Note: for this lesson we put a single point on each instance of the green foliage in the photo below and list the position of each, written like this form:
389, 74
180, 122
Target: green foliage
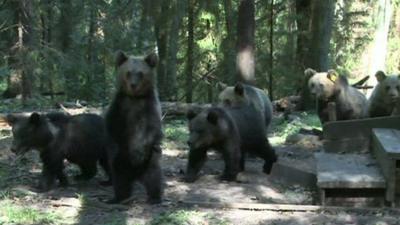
176, 130
281, 129
11, 213
186, 217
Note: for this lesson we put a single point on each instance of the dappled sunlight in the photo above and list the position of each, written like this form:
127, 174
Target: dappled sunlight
245, 63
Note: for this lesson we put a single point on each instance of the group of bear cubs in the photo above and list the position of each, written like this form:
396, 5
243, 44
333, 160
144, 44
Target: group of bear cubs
350, 103
126, 142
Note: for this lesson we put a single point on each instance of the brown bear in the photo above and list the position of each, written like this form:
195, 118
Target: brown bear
134, 123
214, 129
385, 98
245, 95
81, 139
225, 129
331, 87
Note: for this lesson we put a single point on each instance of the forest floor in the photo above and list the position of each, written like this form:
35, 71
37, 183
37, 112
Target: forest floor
83, 202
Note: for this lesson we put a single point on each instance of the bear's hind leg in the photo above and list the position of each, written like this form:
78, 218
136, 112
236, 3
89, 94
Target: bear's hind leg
152, 180
88, 170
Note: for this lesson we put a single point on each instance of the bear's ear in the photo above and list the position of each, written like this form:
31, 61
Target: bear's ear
239, 89
191, 114
212, 117
151, 59
309, 72
120, 58
380, 76
10, 119
332, 75
34, 118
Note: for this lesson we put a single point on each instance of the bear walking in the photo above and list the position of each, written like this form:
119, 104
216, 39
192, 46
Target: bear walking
134, 124
331, 87
232, 131
213, 129
385, 98
243, 95
81, 139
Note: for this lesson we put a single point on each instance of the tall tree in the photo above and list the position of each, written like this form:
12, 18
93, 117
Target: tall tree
245, 60
190, 52
228, 44
321, 30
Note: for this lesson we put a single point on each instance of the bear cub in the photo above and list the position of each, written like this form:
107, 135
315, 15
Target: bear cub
243, 95
134, 123
214, 129
385, 98
232, 131
81, 139
331, 87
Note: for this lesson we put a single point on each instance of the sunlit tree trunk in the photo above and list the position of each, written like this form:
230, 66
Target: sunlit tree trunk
378, 50
245, 60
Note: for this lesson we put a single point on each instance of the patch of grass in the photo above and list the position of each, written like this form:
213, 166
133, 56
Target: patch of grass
282, 129
14, 214
176, 130
187, 217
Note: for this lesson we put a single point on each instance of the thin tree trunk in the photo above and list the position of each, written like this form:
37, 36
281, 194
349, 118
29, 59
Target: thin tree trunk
321, 30
271, 53
228, 43
190, 50
178, 11
245, 60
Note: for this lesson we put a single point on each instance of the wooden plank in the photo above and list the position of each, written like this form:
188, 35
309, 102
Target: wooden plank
389, 139
285, 207
347, 171
348, 145
387, 166
360, 128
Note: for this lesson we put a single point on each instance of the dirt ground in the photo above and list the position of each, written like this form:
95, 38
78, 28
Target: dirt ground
82, 203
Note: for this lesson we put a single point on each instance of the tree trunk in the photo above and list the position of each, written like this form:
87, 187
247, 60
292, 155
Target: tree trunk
170, 88
377, 58
245, 61
271, 53
228, 45
190, 51
321, 29
161, 34
303, 12
66, 24
25, 46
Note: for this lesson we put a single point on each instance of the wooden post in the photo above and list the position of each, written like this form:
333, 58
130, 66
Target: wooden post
332, 111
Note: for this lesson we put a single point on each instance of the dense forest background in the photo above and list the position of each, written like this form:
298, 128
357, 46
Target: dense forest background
65, 49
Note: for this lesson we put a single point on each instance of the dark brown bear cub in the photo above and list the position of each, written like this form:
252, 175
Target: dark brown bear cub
212, 129
81, 139
134, 124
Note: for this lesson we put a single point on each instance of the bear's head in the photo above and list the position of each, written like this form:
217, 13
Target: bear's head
388, 86
30, 132
207, 128
322, 84
136, 74
233, 96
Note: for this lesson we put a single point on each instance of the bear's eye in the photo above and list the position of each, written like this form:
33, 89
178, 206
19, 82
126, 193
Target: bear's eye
398, 87
321, 85
128, 74
312, 85
387, 88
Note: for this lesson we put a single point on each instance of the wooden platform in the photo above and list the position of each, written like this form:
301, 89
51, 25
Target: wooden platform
386, 150
354, 136
348, 175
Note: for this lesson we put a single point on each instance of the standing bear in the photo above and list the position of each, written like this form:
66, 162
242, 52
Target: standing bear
81, 139
134, 123
331, 87
385, 98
